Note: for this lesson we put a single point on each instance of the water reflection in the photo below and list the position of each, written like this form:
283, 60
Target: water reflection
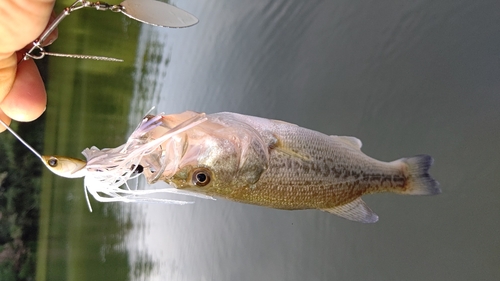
87, 104
150, 70
395, 75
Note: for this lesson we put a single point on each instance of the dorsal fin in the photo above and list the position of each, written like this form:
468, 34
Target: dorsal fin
356, 210
352, 141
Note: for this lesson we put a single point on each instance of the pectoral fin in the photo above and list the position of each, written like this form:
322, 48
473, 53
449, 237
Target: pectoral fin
356, 210
282, 147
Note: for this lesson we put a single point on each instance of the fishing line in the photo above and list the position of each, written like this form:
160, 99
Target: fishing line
21, 140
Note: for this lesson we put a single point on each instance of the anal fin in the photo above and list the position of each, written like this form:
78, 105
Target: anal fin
356, 210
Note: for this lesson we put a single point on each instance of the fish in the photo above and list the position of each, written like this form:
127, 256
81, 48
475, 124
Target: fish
281, 165
251, 160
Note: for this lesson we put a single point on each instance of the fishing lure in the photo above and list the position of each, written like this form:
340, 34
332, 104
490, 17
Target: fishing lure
107, 171
146, 11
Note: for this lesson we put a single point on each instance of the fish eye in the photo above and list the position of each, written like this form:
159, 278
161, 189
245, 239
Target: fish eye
52, 162
201, 177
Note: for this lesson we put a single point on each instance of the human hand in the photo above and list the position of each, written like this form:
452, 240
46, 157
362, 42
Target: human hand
22, 92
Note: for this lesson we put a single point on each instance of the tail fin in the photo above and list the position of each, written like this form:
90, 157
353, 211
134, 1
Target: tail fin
419, 180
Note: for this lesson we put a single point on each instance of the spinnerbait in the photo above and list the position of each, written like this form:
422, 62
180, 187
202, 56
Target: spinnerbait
147, 11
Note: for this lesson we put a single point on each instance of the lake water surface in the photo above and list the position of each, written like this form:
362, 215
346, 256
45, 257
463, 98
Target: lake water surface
405, 77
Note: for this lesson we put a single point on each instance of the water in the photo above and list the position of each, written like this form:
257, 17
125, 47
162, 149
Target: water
406, 77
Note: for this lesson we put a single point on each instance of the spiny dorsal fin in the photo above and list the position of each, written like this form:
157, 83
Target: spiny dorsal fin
352, 141
356, 210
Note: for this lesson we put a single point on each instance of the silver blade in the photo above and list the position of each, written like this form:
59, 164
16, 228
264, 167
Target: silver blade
157, 13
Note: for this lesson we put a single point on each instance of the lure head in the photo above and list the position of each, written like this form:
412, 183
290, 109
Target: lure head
65, 167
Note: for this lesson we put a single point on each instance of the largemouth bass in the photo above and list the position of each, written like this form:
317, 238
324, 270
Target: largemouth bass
259, 161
